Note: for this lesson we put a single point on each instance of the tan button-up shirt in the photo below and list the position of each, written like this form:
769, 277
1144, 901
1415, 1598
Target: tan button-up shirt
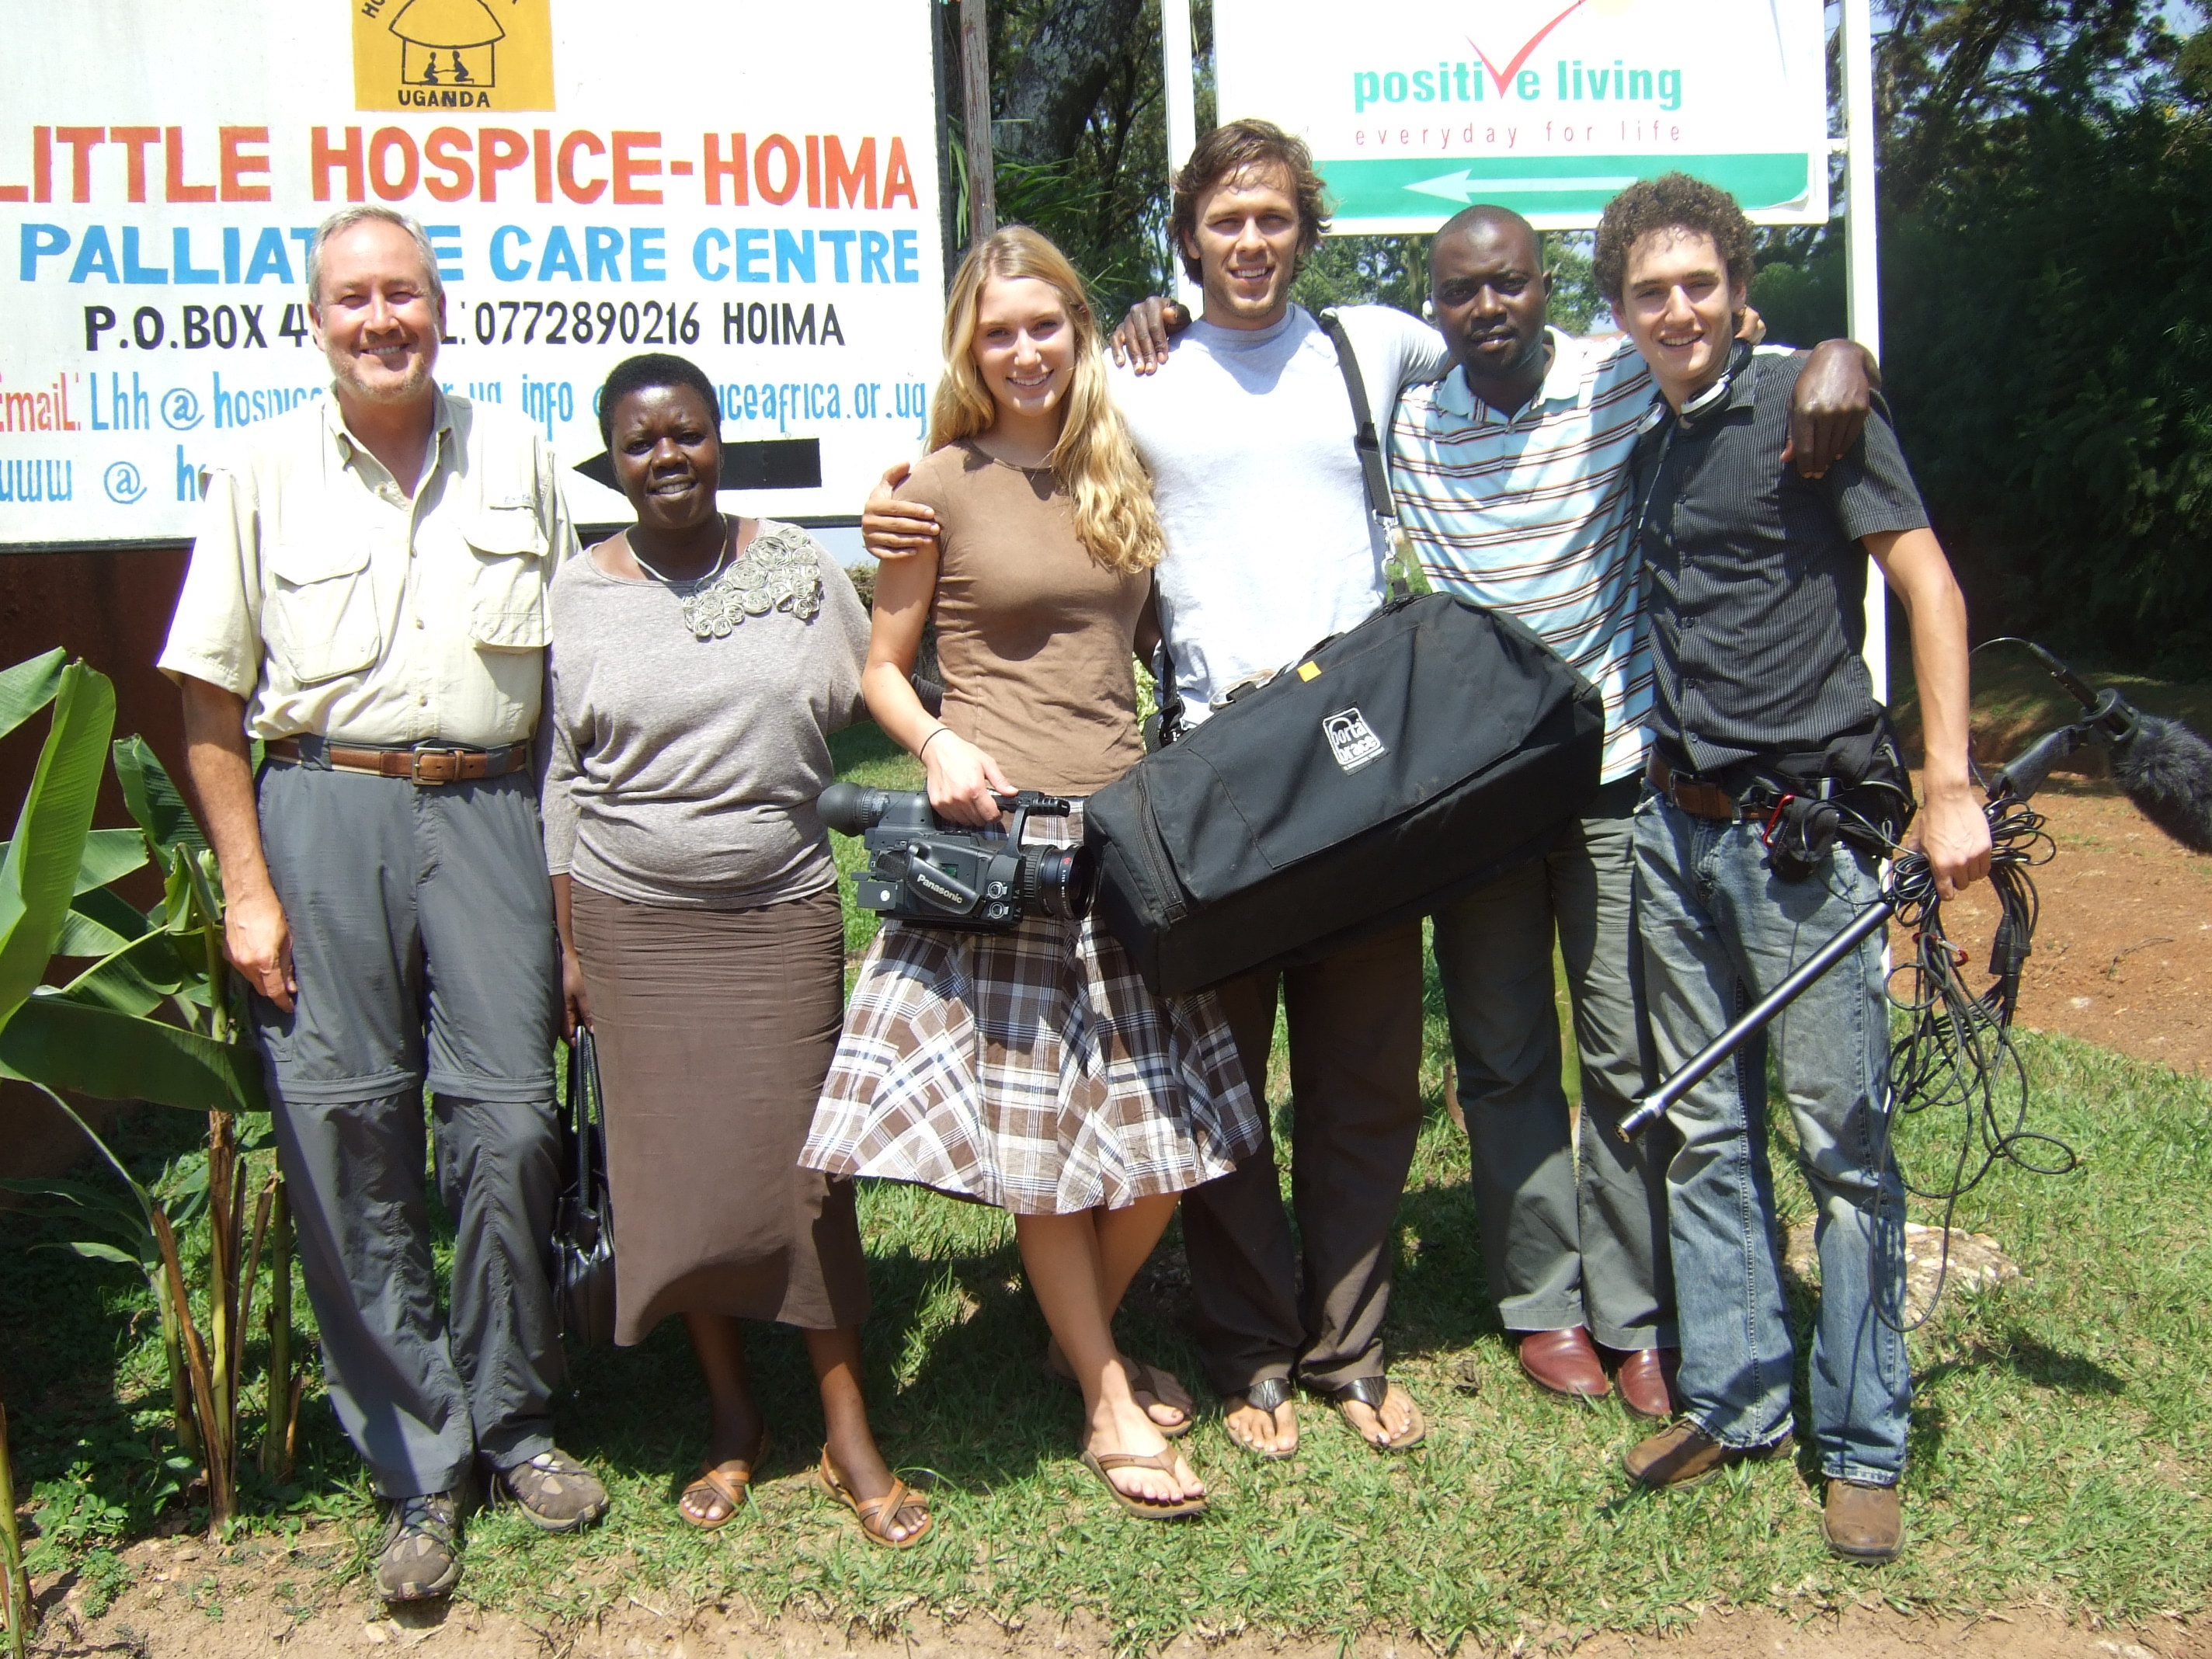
335, 604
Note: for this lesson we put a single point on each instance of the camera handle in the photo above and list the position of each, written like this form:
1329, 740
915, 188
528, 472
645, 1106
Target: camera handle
1025, 802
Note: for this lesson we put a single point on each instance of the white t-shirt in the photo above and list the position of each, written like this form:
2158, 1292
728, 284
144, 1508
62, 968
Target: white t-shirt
1248, 433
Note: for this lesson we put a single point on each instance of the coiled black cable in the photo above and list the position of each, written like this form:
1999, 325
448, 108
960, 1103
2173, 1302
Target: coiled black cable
1955, 1053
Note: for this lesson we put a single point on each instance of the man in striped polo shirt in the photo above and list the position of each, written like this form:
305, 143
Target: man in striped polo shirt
1512, 478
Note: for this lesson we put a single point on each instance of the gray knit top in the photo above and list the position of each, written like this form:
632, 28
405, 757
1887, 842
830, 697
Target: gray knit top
685, 750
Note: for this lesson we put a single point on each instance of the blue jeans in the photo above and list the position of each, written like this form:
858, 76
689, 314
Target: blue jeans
1718, 931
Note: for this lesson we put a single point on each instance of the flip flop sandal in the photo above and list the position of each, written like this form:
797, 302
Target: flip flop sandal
1372, 1392
874, 1514
1144, 1387
729, 1489
1102, 1464
1266, 1395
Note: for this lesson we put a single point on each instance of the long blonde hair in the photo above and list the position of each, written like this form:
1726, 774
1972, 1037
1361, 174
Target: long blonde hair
1094, 459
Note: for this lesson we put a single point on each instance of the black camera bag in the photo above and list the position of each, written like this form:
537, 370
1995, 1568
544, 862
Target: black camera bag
1393, 767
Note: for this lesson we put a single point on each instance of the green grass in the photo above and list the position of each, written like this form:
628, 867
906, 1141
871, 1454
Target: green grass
2061, 1442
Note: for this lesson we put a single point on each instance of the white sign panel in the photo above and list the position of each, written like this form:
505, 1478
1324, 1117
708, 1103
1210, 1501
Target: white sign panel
1414, 109
598, 180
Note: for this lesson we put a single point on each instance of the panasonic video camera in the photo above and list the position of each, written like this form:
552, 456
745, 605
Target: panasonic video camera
924, 871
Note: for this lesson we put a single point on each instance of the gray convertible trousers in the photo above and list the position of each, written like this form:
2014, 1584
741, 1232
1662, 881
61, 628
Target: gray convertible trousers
1567, 1240
423, 941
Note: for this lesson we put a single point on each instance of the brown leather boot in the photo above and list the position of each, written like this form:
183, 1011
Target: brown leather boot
1565, 1362
1685, 1454
1862, 1522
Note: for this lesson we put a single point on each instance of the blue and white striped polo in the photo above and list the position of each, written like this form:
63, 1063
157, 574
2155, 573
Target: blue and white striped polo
1531, 515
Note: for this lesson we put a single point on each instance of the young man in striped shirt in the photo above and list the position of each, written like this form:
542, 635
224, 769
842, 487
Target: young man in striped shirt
1511, 476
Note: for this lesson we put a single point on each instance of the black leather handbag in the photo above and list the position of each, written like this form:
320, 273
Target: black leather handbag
583, 1218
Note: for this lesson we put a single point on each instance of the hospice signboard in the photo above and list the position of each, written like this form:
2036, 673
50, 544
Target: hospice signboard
1416, 108
597, 183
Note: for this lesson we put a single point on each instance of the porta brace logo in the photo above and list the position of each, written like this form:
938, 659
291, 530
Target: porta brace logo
1351, 739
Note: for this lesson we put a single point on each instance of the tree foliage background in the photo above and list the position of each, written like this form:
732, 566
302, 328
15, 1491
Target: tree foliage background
2046, 218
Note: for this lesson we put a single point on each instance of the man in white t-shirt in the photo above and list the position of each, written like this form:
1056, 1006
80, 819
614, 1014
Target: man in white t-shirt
1248, 431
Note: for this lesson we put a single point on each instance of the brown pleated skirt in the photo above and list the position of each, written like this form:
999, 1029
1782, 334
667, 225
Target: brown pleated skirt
715, 1029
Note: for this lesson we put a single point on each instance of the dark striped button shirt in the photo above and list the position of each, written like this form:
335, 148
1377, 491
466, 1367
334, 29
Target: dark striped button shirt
1754, 577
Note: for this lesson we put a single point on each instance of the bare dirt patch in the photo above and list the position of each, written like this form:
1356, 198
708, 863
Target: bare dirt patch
263, 1598
2123, 943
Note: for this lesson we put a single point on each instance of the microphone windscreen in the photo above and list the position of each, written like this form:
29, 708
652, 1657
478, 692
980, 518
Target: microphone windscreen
2165, 769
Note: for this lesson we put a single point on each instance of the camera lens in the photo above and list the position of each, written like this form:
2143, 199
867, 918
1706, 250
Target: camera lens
1061, 880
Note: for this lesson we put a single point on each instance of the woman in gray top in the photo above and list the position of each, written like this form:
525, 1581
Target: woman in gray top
698, 665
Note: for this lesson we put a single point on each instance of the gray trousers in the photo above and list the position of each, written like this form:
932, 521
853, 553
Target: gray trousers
1355, 1031
1565, 1241
422, 939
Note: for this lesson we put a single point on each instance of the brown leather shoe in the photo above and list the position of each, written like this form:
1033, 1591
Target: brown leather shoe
1685, 1454
1643, 1380
1566, 1363
1862, 1522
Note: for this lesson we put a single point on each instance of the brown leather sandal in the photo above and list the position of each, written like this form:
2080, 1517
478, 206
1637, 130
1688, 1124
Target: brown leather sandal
1144, 1389
1268, 1394
1102, 1464
731, 1489
875, 1515
1372, 1392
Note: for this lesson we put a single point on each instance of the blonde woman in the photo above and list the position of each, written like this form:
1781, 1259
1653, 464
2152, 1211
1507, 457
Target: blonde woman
1032, 1070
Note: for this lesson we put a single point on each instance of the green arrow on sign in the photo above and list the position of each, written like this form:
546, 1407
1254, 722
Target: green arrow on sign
1462, 186
1376, 188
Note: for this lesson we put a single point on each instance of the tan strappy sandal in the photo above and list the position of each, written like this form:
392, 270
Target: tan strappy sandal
875, 1515
732, 1490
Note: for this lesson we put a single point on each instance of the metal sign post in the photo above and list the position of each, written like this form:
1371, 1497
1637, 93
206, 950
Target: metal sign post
1182, 121
1862, 270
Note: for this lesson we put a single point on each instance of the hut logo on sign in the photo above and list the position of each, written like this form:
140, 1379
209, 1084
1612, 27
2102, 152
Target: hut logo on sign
452, 54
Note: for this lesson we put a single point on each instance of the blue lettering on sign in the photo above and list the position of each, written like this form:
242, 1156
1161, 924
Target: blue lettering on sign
94, 256
244, 408
559, 257
123, 483
751, 255
37, 481
501, 239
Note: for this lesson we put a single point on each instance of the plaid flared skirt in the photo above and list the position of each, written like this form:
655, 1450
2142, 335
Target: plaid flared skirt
1029, 1070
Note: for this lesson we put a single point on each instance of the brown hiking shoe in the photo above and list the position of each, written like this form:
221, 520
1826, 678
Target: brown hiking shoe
1685, 1454
421, 1557
555, 1492
1862, 1522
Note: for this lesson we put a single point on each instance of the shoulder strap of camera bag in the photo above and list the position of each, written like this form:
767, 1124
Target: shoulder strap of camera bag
1373, 465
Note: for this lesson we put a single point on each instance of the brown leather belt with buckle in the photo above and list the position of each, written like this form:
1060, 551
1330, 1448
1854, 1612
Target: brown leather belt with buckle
1699, 799
428, 766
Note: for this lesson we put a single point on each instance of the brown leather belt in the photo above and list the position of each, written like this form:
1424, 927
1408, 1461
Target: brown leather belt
429, 765
1699, 799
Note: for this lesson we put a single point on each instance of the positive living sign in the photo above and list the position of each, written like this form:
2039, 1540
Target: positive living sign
1414, 109
596, 186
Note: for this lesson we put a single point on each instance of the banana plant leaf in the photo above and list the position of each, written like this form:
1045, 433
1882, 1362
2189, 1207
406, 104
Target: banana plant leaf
28, 687
108, 855
154, 799
101, 924
38, 876
102, 1210
65, 1044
